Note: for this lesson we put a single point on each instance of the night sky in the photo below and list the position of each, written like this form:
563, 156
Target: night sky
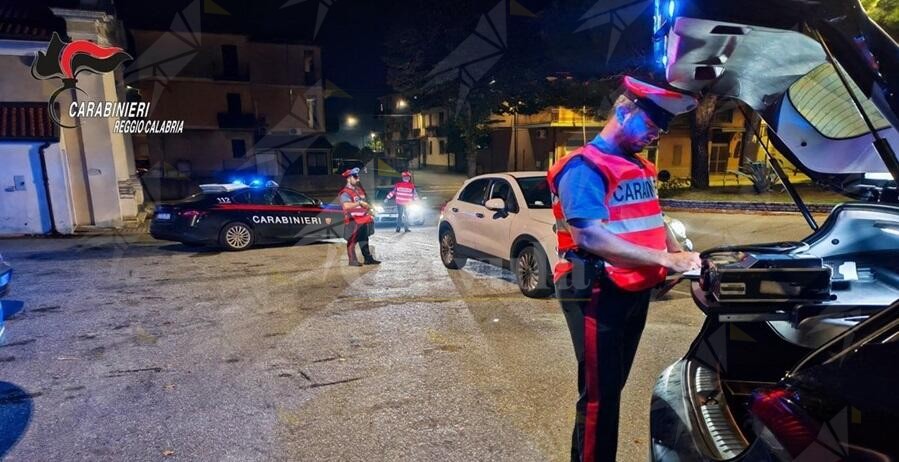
353, 34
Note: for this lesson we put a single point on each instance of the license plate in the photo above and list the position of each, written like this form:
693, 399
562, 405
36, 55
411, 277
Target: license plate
163, 216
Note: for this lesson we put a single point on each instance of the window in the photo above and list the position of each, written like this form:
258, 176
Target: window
678, 157
536, 192
234, 106
229, 61
441, 115
311, 109
317, 163
724, 117
239, 148
719, 152
503, 190
294, 198
266, 196
308, 61
718, 158
475, 192
442, 147
823, 100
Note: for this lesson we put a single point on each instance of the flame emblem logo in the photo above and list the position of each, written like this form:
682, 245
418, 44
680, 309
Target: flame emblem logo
65, 61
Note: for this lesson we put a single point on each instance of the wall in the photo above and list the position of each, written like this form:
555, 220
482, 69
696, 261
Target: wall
23, 212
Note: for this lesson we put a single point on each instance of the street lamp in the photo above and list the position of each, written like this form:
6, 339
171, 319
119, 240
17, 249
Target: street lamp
352, 121
402, 104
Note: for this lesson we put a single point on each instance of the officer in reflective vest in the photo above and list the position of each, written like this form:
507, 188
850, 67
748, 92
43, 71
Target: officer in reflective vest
404, 192
357, 218
614, 248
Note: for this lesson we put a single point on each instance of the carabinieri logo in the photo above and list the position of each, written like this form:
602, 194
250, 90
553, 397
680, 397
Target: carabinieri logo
66, 60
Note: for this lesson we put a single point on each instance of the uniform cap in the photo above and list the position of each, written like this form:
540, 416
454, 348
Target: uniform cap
406, 173
660, 104
351, 172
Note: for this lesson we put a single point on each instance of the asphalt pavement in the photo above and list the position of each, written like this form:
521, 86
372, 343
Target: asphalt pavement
126, 348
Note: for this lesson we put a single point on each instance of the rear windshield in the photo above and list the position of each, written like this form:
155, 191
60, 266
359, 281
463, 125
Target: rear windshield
823, 100
536, 192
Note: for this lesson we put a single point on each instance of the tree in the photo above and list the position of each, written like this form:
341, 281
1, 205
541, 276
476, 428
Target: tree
700, 131
885, 13
749, 145
541, 63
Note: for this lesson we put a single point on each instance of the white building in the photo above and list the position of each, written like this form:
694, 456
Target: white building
88, 170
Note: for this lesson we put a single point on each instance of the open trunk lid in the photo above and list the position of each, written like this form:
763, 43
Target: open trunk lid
777, 67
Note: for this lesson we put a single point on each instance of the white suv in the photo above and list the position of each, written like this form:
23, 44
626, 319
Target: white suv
506, 219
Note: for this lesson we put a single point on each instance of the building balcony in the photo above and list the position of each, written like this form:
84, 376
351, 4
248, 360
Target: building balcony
236, 120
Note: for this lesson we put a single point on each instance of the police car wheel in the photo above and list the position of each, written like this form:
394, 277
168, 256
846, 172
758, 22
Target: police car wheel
532, 273
237, 236
448, 250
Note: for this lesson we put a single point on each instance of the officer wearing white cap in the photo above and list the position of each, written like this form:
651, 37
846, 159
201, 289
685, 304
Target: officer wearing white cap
614, 248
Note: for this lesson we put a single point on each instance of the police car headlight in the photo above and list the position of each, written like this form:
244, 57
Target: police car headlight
379, 209
415, 208
678, 228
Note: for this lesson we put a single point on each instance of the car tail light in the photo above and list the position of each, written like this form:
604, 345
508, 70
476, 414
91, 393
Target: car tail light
191, 214
778, 410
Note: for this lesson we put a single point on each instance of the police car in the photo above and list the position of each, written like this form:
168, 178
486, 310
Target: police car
238, 216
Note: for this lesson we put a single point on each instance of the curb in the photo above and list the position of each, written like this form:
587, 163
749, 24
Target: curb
742, 207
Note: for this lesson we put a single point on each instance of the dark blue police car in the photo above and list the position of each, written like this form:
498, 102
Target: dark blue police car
237, 217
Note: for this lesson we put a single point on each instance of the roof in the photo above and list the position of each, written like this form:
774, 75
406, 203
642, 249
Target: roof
33, 21
514, 174
27, 122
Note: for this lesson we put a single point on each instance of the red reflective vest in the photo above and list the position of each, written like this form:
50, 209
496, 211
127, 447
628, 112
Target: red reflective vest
634, 214
358, 214
404, 191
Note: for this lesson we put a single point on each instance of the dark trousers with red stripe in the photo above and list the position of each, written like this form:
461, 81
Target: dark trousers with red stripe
605, 323
356, 233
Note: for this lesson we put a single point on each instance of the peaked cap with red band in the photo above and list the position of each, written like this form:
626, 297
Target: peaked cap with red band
660, 104
351, 172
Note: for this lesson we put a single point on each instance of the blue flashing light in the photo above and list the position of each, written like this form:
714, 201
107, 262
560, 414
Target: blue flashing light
256, 183
672, 7
237, 181
665, 61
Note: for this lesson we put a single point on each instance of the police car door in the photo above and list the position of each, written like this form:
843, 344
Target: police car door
304, 216
268, 214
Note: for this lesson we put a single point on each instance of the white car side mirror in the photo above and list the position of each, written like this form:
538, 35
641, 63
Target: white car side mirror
495, 205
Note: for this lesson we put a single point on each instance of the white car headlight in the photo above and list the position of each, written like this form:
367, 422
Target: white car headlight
678, 228
379, 209
415, 208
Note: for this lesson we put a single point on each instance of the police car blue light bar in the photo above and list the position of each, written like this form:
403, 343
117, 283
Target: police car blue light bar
227, 187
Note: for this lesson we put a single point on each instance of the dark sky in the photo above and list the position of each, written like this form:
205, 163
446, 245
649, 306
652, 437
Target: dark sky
352, 35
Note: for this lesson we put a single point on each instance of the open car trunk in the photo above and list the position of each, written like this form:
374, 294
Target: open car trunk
784, 73
759, 327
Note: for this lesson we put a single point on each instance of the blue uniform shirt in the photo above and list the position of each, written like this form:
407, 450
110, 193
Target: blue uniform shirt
582, 191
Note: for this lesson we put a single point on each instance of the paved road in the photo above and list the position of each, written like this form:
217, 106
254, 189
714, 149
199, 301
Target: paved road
132, 349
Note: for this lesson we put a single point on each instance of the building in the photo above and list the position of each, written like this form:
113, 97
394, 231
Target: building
250, 107
53, 178
520, 142
421, 137
541, 139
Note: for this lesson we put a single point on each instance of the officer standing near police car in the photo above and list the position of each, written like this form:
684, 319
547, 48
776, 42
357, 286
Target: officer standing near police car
614, 249
404, 193
358, 220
